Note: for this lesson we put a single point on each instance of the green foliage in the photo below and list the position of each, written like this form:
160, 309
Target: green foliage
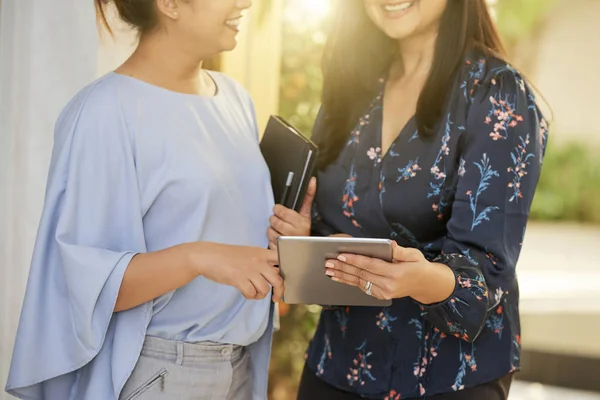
517, 19
298, 324
569, 187
301, 78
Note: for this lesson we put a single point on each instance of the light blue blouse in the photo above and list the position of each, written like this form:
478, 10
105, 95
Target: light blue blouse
137, 168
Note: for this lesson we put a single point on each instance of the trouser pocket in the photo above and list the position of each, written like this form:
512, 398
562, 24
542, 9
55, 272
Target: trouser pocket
134, 388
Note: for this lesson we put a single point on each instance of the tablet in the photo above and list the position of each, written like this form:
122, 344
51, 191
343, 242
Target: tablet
302, 264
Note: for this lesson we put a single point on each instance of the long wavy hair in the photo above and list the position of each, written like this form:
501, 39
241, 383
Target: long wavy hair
357, 54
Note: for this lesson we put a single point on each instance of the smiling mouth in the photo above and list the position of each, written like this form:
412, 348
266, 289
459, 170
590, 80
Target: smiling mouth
234, 23
398, 7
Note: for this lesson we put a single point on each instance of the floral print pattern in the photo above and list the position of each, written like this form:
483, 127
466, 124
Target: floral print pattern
496, 321
476, 74
466, 360
392, 395
520, 159
515, 352
487, 173
360, 369
324, 357
350, 198
374, 154
462, 197
409, 171
384, 320
342, 319
439, 175
462, 169
503, 113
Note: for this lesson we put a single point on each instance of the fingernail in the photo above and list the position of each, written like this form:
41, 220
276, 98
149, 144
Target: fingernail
342, 258
335, 279
330, 265
329, 273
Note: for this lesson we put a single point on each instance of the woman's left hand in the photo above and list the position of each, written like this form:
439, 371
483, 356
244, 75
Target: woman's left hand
388, 280
287, 222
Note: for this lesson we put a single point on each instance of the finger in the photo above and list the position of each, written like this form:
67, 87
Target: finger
353, 274
272, 246
341, 235
272, 235
308, 198
261, 285
284, 228
373, 265
273, 257
276, 281
375, 290
290, 216
406, 254
248, 290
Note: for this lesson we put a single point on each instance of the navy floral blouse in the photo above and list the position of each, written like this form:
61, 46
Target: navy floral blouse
462, 198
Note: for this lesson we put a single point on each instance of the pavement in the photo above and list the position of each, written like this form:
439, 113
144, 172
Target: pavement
535, 391
559, 277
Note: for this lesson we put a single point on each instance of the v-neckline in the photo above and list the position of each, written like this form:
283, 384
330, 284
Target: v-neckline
401, 133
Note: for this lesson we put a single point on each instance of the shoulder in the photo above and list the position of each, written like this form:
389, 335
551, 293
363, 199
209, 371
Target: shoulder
500, 102
99, 95
484, 75
95, 109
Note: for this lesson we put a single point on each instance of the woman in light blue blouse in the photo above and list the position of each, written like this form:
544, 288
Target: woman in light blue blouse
151, 276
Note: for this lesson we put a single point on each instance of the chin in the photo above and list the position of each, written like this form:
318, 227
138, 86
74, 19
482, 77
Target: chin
401, 32
402, 28
229, 45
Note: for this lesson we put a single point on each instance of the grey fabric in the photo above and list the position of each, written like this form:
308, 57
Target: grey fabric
190, 371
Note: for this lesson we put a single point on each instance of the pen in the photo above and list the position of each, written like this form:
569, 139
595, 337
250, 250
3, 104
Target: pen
286, 189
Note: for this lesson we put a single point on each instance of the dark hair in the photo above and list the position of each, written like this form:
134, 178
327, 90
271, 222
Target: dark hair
357, 54
140, 14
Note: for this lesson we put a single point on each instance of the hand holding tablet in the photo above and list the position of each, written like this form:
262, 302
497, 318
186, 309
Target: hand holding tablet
302, 263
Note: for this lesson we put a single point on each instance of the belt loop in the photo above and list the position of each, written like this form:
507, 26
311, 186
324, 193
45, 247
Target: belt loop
179, 360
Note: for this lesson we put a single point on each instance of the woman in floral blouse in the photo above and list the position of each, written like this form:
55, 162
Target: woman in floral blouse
428, 137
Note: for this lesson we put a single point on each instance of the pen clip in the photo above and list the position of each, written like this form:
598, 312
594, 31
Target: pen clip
286, 189
290, 179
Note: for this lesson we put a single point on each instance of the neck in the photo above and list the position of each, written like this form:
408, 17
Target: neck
417, 53
158, 61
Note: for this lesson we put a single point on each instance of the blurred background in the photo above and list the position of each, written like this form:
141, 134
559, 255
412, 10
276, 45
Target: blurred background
49, 50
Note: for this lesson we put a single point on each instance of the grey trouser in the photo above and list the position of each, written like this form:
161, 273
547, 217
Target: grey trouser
190, 371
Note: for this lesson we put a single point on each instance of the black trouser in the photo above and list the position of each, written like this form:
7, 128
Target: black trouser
314, 388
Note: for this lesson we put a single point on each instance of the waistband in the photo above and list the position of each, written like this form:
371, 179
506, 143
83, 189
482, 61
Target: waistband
190, 354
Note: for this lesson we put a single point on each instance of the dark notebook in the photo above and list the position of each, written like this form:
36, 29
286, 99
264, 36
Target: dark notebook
291, 159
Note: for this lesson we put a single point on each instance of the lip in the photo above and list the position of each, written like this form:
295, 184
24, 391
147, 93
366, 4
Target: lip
234, 23
399, 13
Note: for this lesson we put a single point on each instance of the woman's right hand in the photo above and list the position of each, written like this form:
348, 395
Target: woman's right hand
252, 270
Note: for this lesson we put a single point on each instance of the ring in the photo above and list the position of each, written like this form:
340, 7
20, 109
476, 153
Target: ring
368, 288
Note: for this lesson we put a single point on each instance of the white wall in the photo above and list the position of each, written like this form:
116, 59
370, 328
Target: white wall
565, 58
47, 52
